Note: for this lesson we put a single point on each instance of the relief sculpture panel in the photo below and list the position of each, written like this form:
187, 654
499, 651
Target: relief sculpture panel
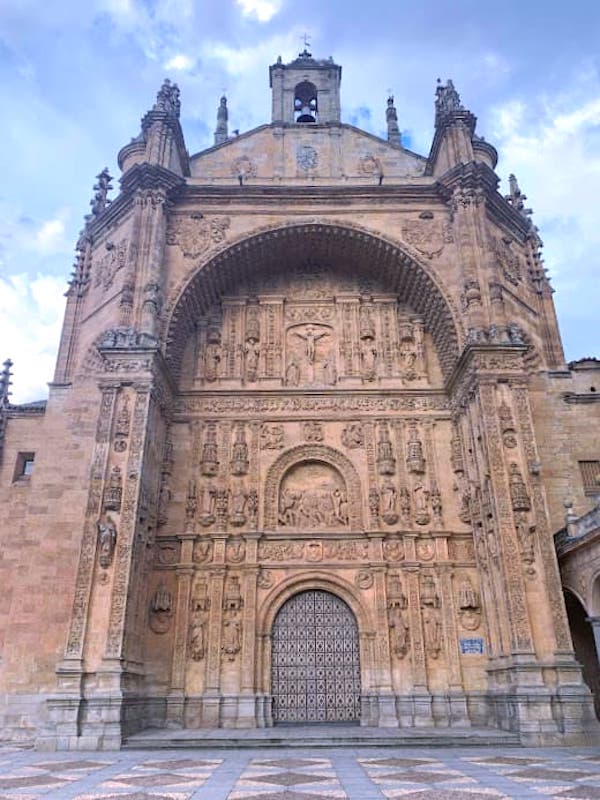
313, 495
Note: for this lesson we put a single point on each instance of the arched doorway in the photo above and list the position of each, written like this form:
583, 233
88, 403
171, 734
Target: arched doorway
315, 660
584, 646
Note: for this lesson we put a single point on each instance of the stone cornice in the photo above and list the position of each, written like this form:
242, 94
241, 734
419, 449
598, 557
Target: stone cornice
488, 361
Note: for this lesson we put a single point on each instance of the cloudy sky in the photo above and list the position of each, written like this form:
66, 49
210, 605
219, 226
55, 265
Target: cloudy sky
77, 76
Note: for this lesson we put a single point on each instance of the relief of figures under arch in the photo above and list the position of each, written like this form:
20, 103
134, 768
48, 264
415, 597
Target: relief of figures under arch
313, 495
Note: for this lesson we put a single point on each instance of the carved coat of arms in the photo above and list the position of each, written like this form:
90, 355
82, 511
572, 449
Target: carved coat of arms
194, 235
428, 236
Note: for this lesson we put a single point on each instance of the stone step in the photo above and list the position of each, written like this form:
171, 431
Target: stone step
319, 736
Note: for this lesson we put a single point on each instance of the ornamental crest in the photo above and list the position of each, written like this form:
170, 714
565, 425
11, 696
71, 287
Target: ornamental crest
194, 234
107, 267
306, 157
427, 235
508, 260
243, 166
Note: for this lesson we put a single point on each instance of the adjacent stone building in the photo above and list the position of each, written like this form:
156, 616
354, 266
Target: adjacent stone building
308, 440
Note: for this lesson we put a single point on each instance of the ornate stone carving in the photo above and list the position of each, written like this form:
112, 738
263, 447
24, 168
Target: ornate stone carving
386, 463
310, 348
397, 602
113, 493
212, 355
265, 579
239, 454
508, 260
425, 549
469, 605
421, 495
107, 540
353, 435
105, 268
388, 498
195, 234
251, 361
393, 549
209, 462
518, 491
507, 426
198, 638
313, 496
208, 505
122, 423
307, 158
271, 437
161, 610
368, 360
231, 636
280, 551
235, 552
415, 462
244, 166
364, 579
471, 295
432, 627
203, 550
312, 431
238, 498
191, 506
428, 236
435, 500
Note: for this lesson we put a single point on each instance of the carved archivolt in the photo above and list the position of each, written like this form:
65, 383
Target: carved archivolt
344, 248
348, 516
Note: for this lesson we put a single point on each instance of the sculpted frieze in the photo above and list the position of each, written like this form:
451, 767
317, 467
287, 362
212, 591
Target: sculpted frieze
315, 550
347, 403
429, 236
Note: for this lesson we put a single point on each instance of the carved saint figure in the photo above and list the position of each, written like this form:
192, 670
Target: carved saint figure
107, 539
399, 639
288, 500
388, 499
353, 436
271, 437
252, 356
231, 639
368, 360
197, 637
238, 500
339, 502
292, 374
212, 355
310, 337
433, 633
421, 495
208, 499
518, 490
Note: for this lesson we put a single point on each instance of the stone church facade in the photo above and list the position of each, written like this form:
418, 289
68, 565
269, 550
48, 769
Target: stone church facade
309, 437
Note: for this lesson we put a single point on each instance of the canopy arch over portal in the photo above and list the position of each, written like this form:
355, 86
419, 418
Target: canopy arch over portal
341, 247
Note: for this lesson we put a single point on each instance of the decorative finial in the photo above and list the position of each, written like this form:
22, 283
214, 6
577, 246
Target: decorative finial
393, 131
447, 100
221, 131
306, 52
101, 189
167, 99
516, 198
5, 382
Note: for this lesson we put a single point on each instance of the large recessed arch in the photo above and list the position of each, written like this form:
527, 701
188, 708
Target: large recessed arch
340, 247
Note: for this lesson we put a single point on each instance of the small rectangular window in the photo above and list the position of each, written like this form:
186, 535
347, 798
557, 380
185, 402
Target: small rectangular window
590, 475
24, 466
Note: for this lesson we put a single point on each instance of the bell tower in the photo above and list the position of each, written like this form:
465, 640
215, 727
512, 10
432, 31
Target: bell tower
306, 91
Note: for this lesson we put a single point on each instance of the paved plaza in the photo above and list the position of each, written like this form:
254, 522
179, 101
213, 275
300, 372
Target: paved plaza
370, 773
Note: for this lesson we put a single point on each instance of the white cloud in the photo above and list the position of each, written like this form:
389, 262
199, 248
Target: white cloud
31, 314
263, 10
50, 236
179, 62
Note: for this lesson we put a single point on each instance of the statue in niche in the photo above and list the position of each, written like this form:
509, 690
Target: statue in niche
239, 455
415, 462
198, 636
237, 505
399, 634
114, 490
251, 361
353, 435
469, 605
368, 360
107, 539
208, 500
292, 374
366, 326
328, 370
123, 418
388, 500
339, 502
518, 491
405, 504
421, 496
433, 633
461, 486
429, 596
231, 640
161, 610
212, 355
436, 501
386, 463
163, 500
209, 464
252, 507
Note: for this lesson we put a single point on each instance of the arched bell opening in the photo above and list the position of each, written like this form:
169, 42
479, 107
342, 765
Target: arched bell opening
305, 102
584, 645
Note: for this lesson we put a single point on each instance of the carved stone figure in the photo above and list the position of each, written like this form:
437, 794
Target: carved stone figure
235, 551
433, 632
209, 463
374, 504
231, 638
388, 499
368, 360
107, 540
393, 550
237, 505
399, 632
518, 491
435, 499
353, 435
251, 361
364, 579
212, 355
114, 490
415, 462
421, 498
386, 463
208, 500
292, 374
202, 551
198, 636
405, 504
161, 610
191, 504
367, 326
469, 605
252, 508
239, 454
310, 337
312, 431
265, 579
